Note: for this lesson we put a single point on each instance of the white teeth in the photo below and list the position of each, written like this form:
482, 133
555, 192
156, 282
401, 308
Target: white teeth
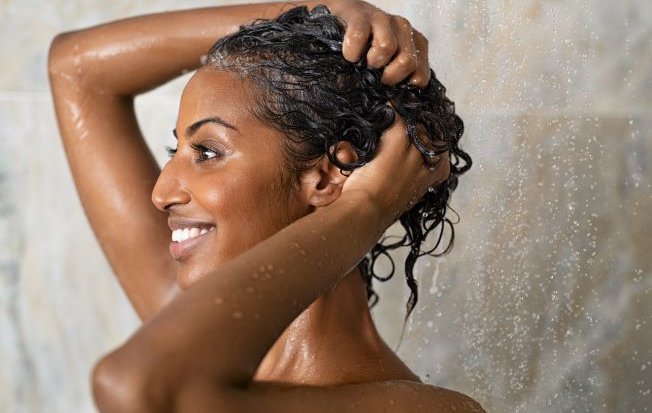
179, 235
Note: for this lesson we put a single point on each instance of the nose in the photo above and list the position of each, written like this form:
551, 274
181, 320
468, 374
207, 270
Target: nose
170, 188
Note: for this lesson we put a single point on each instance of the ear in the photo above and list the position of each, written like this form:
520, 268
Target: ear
322, 184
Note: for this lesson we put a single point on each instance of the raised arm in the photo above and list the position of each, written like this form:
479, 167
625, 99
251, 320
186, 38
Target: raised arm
95, 73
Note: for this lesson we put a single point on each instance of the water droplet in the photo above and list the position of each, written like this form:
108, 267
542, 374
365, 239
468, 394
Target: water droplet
219, 300
237, 315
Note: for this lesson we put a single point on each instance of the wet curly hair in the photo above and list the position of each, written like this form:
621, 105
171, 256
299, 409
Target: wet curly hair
310, 93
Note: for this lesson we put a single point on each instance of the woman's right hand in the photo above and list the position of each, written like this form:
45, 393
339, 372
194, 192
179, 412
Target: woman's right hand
397, 177
395, 44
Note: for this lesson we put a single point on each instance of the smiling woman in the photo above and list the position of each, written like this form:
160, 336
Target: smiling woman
227, 174
283, 179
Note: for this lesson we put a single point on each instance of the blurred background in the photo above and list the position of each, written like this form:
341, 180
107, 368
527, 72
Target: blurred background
544, 303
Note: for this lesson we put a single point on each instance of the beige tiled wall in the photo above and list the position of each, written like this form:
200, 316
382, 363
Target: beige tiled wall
542, 306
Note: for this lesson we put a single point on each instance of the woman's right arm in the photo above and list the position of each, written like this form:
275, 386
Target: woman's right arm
95, 74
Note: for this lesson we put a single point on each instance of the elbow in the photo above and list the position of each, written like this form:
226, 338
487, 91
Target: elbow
122, 384
64, 61
56, 54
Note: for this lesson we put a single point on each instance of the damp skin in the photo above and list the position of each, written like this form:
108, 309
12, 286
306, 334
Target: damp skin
207, 320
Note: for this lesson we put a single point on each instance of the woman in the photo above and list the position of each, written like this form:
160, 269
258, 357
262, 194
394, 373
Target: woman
257, 304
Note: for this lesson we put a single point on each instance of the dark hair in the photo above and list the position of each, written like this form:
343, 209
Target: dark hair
308, 91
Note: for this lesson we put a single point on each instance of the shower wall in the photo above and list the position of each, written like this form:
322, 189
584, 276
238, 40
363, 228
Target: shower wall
543, 305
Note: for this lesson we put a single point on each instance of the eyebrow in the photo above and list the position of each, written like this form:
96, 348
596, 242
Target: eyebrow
192, 129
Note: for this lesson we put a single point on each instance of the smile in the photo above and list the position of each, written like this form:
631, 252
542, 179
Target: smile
184, 240
179, 235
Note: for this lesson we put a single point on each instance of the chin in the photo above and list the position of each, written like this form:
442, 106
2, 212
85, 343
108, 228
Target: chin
187, 280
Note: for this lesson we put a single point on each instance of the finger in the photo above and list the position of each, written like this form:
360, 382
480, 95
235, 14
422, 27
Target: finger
421, 75
442, 170
355, 40
405, 61
384, 41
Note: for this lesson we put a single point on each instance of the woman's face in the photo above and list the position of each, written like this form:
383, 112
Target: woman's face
223, 188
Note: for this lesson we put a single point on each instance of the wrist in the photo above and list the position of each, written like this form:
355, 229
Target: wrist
368, 205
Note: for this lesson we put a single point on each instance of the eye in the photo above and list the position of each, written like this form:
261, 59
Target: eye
204, 153
171, 151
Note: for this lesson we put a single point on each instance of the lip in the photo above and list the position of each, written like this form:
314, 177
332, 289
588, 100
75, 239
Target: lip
180, 250
181, 223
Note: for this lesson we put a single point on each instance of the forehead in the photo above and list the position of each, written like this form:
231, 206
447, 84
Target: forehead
212, 93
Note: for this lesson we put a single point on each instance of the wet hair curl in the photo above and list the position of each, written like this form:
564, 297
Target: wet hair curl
309, 92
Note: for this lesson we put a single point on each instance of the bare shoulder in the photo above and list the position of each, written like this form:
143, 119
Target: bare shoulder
391, 396
444, 400
433, 399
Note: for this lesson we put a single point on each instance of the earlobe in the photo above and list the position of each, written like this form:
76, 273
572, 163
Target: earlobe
322, 184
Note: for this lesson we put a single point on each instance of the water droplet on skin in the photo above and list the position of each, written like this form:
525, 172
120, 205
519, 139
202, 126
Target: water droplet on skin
219, 300
270, 267
250, 289
323, 238
237, 315
302, 252
261, 268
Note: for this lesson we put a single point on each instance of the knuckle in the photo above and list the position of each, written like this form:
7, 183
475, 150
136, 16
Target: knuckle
386, 45
407, 60
402, 22
357, 34
419, 81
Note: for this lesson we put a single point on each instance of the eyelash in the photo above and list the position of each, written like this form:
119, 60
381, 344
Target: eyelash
199, 149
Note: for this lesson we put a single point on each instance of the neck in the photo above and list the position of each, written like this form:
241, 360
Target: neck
336, 331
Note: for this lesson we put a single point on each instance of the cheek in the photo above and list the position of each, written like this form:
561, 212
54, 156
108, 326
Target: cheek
247, 205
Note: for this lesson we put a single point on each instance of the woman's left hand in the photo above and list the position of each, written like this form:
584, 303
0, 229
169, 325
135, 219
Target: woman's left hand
397, 177
395, 44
